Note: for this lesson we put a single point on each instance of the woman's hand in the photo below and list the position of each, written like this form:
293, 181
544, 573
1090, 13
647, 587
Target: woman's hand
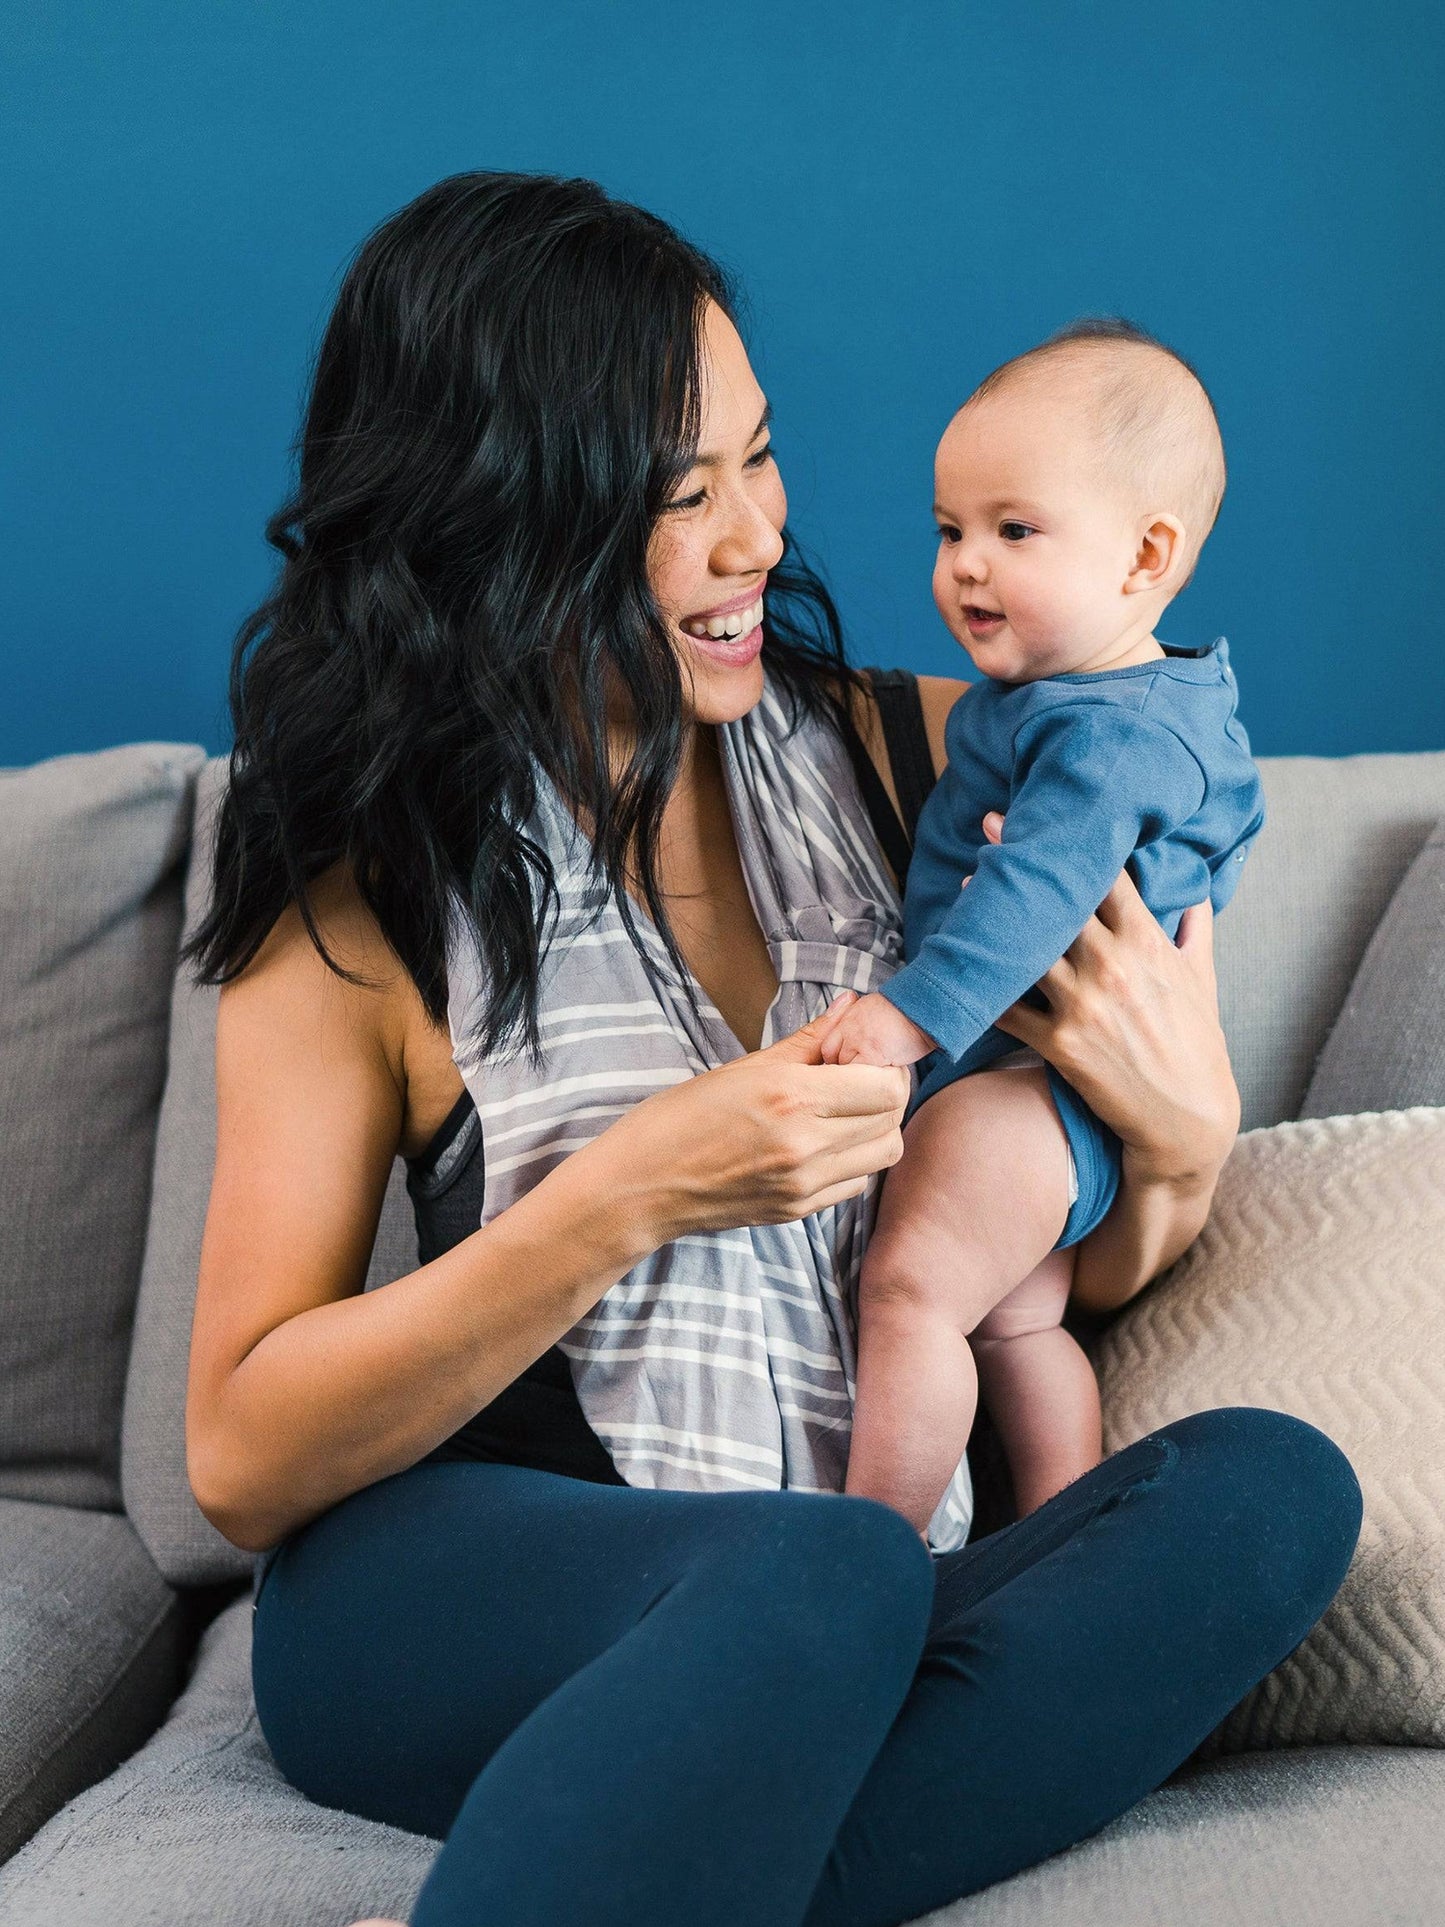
772, 1136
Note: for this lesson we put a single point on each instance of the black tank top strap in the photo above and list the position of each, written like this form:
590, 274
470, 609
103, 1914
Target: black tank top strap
900, 711
900, 714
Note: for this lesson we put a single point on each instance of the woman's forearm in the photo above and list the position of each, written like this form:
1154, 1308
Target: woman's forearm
356, 1389
1153, 1220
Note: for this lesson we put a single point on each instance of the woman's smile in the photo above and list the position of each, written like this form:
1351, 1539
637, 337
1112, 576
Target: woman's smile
732, 632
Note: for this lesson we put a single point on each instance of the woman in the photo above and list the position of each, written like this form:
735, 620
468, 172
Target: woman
495, 683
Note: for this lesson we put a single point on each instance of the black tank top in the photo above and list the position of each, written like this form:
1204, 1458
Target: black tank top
537, 1421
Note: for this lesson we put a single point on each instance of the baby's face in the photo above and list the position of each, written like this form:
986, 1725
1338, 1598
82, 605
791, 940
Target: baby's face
1033, 551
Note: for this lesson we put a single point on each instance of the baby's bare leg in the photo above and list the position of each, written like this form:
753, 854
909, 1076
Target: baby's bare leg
975, 1204
1038, 1386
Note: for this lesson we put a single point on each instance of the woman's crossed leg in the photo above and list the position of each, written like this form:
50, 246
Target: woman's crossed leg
618, 1706
734, 1711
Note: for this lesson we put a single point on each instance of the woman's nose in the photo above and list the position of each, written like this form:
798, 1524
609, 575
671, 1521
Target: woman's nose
750, 541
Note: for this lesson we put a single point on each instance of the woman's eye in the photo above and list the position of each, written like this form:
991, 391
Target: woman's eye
687, 501
764, 454
1014, 531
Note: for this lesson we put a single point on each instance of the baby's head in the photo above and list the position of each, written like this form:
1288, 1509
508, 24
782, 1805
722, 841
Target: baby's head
1073, 492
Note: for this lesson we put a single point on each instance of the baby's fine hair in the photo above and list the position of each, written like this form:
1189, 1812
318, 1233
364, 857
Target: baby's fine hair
1149, 408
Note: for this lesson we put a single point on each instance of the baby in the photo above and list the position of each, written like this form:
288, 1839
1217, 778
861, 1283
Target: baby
1074, 491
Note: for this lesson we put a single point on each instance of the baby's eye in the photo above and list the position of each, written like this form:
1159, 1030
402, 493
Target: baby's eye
1014, 531
946, 532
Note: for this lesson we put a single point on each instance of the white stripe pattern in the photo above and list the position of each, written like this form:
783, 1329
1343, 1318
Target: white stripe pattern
725, 1360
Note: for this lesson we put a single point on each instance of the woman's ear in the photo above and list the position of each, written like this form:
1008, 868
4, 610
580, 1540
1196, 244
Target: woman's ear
1159, 557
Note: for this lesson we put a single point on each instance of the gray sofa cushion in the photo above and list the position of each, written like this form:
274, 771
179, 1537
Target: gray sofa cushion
90, 849
1387, 1049
90, 1655
158, 1498
1338, 1836
200, 1826
1341, 832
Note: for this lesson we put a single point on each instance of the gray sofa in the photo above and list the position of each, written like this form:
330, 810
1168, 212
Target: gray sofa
135, 1785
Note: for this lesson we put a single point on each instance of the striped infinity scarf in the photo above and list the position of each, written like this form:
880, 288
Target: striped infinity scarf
725, 1360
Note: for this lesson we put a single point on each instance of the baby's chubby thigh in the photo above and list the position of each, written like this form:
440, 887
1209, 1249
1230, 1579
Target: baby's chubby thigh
975, 1204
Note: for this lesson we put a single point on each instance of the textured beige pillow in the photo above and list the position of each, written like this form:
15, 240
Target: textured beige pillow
1318, 1288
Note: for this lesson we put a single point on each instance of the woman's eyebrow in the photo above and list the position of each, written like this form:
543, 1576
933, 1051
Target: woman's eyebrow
711, 461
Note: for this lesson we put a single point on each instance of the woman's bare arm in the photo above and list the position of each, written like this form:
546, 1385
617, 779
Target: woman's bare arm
302, 1387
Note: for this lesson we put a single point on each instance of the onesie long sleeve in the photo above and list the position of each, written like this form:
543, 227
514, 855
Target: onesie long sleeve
1147, 766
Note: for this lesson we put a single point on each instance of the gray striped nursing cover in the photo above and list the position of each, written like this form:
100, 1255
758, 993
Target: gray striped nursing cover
725, 1360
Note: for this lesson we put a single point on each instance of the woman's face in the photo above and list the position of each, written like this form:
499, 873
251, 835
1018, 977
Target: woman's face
714, 543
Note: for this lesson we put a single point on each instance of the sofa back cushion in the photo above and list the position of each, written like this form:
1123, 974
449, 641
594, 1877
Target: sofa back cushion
1340, 834
158, 1497
91, 849
1387, 1049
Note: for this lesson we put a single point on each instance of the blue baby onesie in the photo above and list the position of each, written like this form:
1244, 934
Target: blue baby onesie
1147, 766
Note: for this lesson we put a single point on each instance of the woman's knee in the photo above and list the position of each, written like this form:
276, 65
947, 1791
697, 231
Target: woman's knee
828, 1561
1281, 1489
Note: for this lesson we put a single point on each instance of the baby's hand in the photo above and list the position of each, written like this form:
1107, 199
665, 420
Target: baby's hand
873, 1031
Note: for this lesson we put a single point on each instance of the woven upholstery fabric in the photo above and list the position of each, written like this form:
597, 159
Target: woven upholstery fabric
200, 1826
1340, 834
90, 1655
1387, 1049
158, 1497
199, 1829
90, 854
1318, 1288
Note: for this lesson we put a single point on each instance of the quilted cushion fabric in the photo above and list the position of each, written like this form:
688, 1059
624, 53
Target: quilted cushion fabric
91, 849
1387, 1049
158, 1497
1318, 1288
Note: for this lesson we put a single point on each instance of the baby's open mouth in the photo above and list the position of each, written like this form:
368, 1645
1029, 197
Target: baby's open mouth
973, 613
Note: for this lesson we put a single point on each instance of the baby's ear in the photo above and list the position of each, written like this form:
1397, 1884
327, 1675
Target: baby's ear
1158, 558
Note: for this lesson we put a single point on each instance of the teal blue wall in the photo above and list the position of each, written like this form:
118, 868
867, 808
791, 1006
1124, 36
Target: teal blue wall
910, 192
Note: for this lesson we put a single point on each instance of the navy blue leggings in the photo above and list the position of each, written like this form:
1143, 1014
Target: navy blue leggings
638, 1709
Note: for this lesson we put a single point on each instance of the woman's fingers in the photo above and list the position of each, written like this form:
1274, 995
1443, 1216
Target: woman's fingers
1195, 940
805, 1044
857, 1090
1031, 1027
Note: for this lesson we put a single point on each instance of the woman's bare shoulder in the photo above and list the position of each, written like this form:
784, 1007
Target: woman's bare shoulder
289, 989
938, 694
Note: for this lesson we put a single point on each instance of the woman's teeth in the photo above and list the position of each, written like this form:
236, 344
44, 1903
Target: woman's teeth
740, 623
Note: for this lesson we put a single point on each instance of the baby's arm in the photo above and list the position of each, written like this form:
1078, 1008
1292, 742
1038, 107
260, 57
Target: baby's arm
1092, 783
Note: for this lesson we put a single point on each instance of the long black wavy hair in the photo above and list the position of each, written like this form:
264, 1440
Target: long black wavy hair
505, 397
